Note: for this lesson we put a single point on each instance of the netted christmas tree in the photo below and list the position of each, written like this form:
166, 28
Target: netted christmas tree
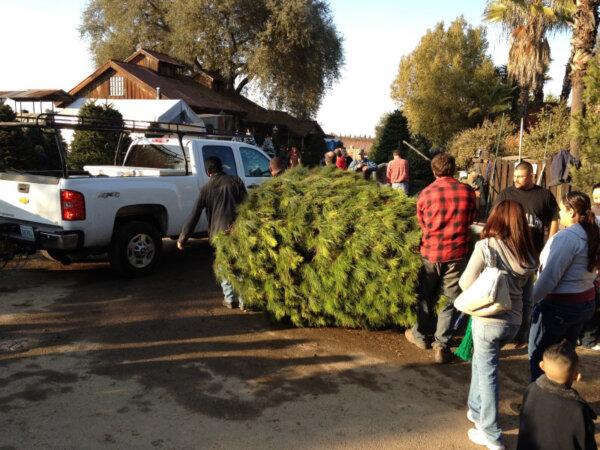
324, 248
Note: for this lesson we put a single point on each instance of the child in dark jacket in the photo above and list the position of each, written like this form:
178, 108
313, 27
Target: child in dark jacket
554, 416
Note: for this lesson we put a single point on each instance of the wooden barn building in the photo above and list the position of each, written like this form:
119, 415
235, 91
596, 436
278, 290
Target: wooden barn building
147, 74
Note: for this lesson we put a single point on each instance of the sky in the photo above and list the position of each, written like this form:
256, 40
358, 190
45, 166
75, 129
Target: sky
41, 49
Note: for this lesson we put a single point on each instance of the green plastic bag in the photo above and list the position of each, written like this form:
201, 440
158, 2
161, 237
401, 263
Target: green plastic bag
465, 349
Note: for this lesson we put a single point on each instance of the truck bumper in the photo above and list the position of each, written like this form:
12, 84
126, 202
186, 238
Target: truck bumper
43, 239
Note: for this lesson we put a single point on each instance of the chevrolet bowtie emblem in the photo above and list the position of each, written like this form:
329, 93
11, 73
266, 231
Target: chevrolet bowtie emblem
24, 200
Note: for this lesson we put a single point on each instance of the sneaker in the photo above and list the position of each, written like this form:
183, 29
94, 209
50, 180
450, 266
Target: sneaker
471, 418
410, 337
441, 355
478, 437
229, 305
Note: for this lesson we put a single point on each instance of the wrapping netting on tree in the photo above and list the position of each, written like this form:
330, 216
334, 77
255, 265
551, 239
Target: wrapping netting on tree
324, 248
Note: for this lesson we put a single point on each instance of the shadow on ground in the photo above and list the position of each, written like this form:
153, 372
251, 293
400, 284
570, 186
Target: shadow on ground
169, 334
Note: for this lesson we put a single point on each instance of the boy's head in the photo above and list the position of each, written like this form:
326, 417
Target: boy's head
596, 194
560, 363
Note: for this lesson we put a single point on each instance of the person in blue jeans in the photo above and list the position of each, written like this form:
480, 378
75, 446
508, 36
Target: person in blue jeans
220, 198
564, 293
506, 237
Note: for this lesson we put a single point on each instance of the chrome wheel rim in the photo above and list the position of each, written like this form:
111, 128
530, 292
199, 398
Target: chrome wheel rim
141, 250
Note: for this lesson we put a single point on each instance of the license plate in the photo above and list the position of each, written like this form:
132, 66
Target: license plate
27, 233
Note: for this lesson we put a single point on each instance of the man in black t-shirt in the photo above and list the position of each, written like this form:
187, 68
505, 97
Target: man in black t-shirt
539, 204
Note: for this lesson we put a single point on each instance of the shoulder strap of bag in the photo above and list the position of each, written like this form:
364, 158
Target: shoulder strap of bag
489, 255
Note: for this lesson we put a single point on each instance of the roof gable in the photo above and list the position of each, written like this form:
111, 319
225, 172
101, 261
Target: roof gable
157, 56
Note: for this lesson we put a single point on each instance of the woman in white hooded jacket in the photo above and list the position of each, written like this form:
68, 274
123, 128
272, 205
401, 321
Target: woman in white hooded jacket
564, 292
506, 237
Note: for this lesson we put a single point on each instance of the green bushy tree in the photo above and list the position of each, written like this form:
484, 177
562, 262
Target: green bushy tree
448, 75
27, 149
389, 134
552, 125
95, 147
6, 113
314, 148
9, 140
420, 168
465, 145
324, 248
588, 130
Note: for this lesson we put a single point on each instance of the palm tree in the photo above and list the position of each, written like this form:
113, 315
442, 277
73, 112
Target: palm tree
527, 23
585, 31
494, 101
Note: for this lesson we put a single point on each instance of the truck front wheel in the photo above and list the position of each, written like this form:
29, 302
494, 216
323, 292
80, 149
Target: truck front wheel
136, 249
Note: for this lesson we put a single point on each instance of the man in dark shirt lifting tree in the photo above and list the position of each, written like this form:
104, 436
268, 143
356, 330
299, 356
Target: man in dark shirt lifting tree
220, 197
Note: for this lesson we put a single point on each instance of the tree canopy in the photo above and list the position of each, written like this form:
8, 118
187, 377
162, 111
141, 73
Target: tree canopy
389, 134
527, 23
27, 149
588, 129
288, 50
95, 147
443, 79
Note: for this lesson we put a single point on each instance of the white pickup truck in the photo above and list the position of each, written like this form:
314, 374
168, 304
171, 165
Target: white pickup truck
124, 210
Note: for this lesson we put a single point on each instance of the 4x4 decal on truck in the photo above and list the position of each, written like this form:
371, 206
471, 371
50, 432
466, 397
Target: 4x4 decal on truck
109, 194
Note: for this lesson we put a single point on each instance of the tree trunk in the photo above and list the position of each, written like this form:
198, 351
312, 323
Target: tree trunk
523, 101
566, 86
538, 94
585, 30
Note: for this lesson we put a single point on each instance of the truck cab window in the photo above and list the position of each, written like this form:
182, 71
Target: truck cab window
225, 154
156, 156
255, 163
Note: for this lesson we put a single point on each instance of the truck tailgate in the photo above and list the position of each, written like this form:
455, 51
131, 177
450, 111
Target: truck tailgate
30, 199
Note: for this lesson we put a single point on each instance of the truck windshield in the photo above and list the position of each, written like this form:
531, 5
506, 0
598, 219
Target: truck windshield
156, 156
29, 150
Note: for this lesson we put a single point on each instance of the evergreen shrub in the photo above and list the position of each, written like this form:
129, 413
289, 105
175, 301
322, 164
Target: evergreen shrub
465, 144
95, 147
552, 126
587, 129
389, 134
24, 149
314, 149
324, 247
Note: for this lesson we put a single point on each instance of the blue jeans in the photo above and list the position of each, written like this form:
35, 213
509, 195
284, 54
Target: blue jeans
488, 339
403, 186
590, 335
551, 322
230, 295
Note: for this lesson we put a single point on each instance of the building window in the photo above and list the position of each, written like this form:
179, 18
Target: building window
117, 87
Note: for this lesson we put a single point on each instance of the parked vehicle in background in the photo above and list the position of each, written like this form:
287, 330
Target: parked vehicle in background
123, 210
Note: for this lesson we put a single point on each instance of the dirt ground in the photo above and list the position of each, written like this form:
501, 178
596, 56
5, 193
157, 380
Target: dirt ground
91, 361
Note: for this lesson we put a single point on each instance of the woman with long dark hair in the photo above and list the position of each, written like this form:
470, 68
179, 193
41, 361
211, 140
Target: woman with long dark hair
506, 236
564, 293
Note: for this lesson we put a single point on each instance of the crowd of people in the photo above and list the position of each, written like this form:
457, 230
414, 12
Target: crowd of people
553, 288
396, 170
552, 282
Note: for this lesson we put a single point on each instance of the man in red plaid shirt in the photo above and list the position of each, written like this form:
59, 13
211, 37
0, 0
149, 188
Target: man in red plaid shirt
445, 210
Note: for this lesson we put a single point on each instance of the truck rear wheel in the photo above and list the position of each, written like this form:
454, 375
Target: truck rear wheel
136, 249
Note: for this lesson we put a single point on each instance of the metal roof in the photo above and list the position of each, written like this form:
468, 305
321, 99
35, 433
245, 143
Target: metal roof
37, 95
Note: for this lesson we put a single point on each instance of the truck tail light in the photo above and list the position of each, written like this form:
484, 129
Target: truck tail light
72, 205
